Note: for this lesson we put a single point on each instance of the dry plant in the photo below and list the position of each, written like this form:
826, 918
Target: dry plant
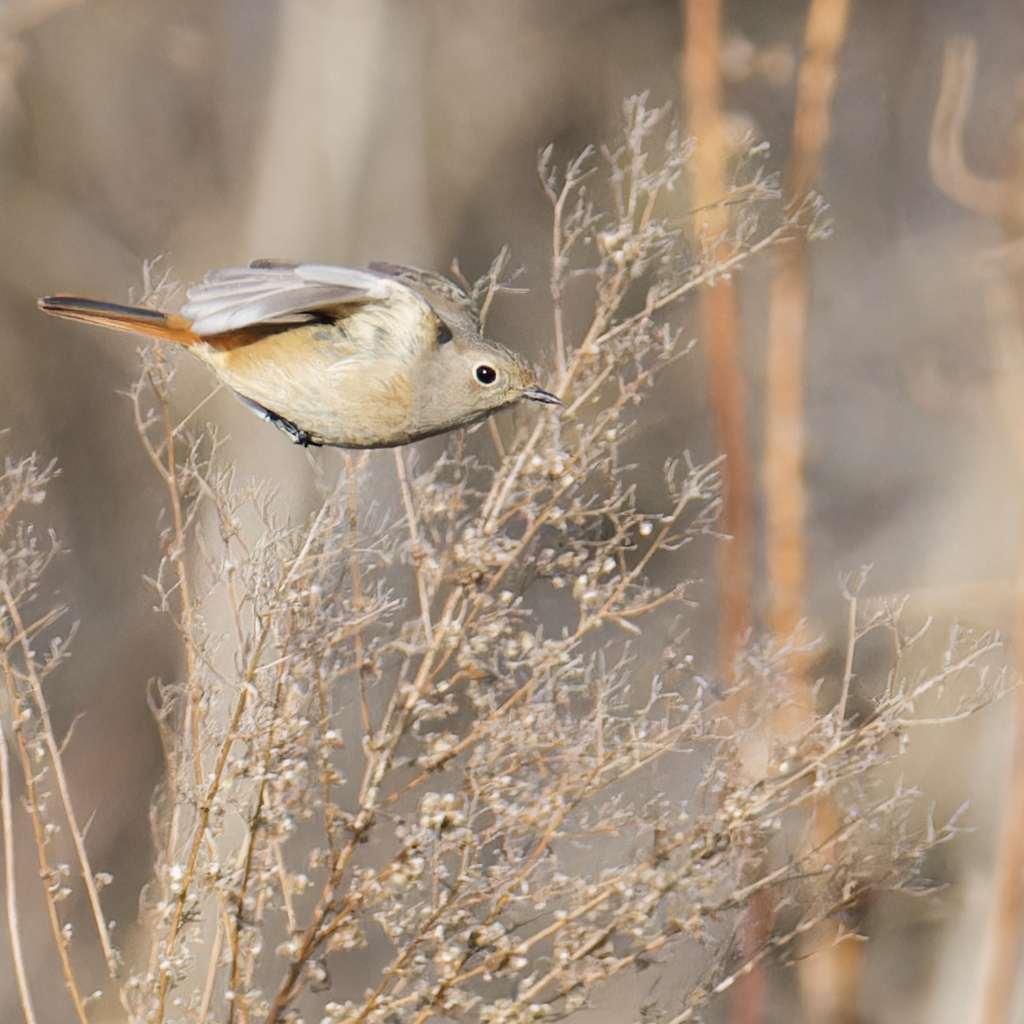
426, 765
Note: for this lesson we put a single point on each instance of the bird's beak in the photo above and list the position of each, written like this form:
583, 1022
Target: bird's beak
536, 394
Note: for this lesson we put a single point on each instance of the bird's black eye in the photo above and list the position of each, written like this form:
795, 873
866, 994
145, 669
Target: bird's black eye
486, 374
444, 333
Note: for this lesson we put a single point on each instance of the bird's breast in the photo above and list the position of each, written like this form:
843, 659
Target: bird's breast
336, 387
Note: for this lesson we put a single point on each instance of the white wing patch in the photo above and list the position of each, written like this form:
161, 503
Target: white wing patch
239, 297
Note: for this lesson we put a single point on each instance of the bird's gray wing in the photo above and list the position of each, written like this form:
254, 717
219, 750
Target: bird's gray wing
443, 296
267, 290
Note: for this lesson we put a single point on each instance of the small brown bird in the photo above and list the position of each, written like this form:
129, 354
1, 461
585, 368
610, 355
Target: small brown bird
331, 355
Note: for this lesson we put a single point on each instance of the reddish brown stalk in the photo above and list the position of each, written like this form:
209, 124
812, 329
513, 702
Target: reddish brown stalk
720, 330
787, 324
785, 443
720, 324
828, 979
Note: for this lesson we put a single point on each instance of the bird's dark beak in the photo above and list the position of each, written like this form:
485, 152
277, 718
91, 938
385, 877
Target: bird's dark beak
536, 394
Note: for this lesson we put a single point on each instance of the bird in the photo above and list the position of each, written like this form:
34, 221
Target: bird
334, 355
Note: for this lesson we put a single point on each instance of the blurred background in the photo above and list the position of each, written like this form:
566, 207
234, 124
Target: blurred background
211, 132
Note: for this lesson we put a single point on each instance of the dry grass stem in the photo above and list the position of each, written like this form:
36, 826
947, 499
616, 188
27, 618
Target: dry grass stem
10, 887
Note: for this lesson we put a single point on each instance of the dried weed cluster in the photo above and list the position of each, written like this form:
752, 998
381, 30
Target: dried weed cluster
424, 765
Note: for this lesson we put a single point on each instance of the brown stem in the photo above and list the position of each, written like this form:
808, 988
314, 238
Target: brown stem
39, 830
990, 197
10, 885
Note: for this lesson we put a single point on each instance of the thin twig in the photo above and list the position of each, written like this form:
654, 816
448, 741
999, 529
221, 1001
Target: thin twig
10, 884
40, 835
57, 766
418, 552
851, 643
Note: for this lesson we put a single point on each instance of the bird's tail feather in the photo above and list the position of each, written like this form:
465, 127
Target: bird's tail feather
135, 319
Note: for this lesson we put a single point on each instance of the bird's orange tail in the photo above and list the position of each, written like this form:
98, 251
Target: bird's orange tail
136, 319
